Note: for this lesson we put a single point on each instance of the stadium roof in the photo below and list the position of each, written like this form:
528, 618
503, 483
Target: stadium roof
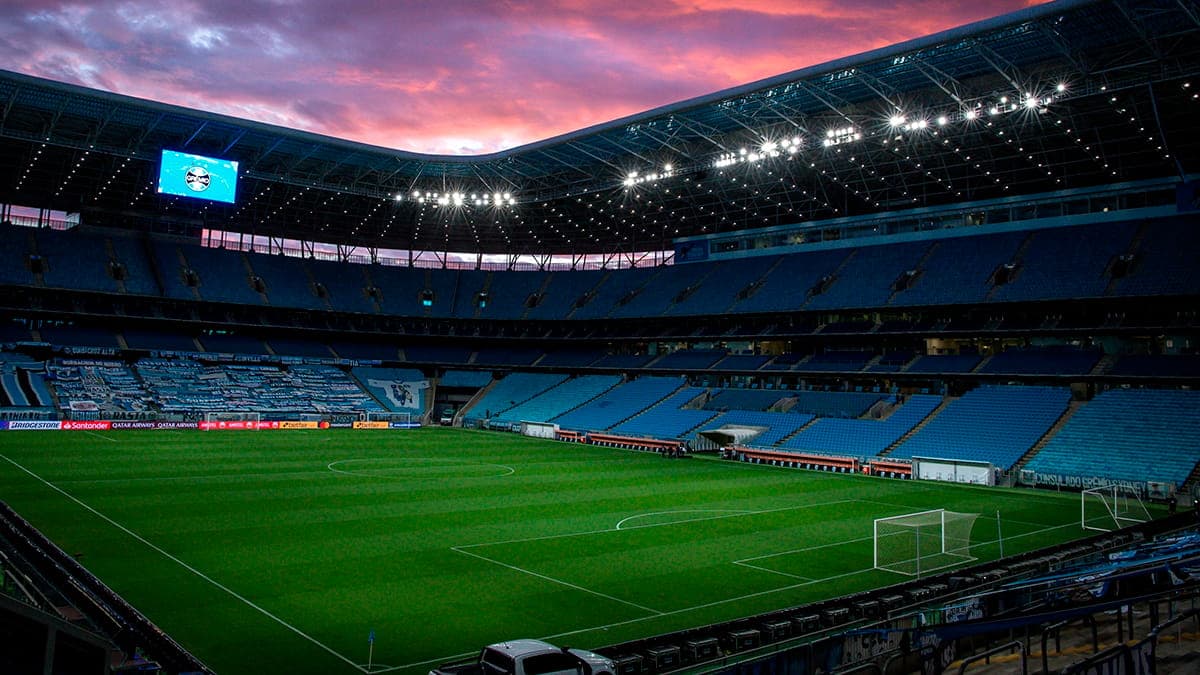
1059, 96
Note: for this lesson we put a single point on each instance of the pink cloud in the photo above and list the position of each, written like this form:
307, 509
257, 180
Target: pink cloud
453, 76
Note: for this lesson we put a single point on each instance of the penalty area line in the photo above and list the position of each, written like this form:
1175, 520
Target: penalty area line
185, 565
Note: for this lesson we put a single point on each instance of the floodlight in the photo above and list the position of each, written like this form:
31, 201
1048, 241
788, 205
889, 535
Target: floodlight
668, 168
942, 121
399, 198
1060, 88
896, 120
971, 114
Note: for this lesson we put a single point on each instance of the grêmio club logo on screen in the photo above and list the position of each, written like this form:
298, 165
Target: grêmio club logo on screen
197, 178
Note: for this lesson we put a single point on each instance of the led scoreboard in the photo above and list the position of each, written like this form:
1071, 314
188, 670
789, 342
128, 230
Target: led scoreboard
197, 176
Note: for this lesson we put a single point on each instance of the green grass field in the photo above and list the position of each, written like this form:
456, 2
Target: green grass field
280, 551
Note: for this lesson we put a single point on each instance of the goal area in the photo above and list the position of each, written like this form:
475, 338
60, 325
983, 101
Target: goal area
1110, 508
918, 543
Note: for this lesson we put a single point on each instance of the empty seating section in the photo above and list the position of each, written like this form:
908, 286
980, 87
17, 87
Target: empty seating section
12, 332
139, 276
834, 403
667, 419
508, 292
565, 288
866, 280
784, 361
656, 296
79, 336
741, 362
1068, 262
345, 283
287, 282
837, 361
623, 360
959, 270
152, 340
397, 389
74, 260
778, 425
465, 379
559, 399
689, 359
399, 289
1165, 262
171, 268
232, 343
507, 356
1042, 362
570, 358
436, 354
994, 424
509, 391
945, 363
616, 286
14, 252
786, 287
720, 289
288, 346
892, 362
742, 399
365, 351
110, 385
618, 404
1141, 365
184, 386
1127, 434
863, 438
223, 275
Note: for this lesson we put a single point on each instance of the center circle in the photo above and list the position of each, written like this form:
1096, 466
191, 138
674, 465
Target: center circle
429, 468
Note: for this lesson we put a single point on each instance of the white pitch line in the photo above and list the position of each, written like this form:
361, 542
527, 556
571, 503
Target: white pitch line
585, 533
768, 569
727, 512
211, 476
557, 581
107, 438
186, 566
440, 659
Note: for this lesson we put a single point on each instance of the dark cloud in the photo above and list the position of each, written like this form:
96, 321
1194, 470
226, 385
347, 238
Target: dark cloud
448, 76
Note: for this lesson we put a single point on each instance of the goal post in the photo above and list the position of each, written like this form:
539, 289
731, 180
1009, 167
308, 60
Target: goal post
230, 419
917, 543
1111, 507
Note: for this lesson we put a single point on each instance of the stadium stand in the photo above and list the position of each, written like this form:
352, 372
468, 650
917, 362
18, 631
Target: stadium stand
624, 361
837, 361
562, 291
742, 399
286, 281
559, 399
79, 336
466, 379
655, 297
1043, 361
436, 354
778, 425
570, 358
510, 391
1127, 435
1067, 262
788, 282
741, 362
688, 359
996, 424
834, 403
88, 389
944, 363
22, 380
152, 340
507, 356
1155, 365
508, 293
14, 254
74, 260
616, 286
1165, 263
365, 351
866, 278
397, 389
139, 277
863, 438
293, 346
345, 285
232, 343
223, 276
668, 418
618, 404
721, 289
958, 270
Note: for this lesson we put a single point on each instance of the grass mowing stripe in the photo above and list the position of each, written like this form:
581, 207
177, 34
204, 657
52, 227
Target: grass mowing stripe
556, 581
182, 564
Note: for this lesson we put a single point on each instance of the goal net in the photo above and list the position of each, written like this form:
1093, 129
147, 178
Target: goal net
402, 419
1110, 508
231, 420
917, 543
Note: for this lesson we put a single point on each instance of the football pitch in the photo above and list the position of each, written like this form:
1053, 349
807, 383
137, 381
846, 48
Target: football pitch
281, 551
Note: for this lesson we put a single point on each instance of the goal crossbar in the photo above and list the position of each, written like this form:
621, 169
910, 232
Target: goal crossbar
1111, 507
925, 541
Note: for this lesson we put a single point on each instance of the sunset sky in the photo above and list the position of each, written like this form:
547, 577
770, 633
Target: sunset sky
449, 77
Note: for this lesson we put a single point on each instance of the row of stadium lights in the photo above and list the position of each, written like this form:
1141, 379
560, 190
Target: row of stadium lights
460, 199
898, 121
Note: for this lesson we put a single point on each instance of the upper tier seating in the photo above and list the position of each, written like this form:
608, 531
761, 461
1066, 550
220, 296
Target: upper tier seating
837, 361
74, 260
1157, 366
297, 346
1127, 434
689, 359
507, 293
508, 392
1050, 361
345, 284
570, 358
996, 424
866, 280
224, 343
1067, 262
465, 379
946, 363
741, 362
958, 270
559, 399
789, 282
287, 283
863, 438
617, 286
1165, 263
717, 292
618, 404
667, 419
564, 290
656, 297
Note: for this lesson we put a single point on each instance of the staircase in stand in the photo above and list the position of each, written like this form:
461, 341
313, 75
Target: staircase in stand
919, 425
1050, 433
